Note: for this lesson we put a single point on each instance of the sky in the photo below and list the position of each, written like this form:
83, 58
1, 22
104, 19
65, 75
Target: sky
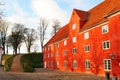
29, 12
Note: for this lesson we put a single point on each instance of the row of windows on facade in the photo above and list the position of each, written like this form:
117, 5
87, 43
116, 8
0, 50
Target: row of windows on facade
107, 64
86, 36
106, 45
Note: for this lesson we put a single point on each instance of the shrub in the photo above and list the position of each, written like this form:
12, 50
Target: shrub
8, 63
31, 61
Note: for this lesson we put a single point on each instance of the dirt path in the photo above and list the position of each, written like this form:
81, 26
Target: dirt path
16, 67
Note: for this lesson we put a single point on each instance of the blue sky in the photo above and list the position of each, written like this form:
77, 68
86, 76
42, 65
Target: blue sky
28, 12
24, 10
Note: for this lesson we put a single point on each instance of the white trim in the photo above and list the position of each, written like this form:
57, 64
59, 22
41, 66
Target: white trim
87, 64
103, 45
106, 27
89, 48
93, 27
107, 65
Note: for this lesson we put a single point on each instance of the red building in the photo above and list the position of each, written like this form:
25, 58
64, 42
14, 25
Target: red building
89, 43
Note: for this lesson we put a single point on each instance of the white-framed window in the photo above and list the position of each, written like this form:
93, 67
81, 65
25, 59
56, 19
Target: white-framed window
74, 39
105, 29
65, 64
51, 54
107, 64
106, 44
65, 42
87, 48
57, 63
57, 53
74, 50
48, 55
48, 47
86, 35
87, 64
74, 64
57, 45
74, 26
65, 52
44, 55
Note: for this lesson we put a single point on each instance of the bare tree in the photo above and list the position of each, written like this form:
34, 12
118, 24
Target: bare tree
30, 37
17, 36
56, 26
42, 29
1, 12
3, 32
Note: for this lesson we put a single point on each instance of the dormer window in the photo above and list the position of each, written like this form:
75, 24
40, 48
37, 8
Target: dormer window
74, 26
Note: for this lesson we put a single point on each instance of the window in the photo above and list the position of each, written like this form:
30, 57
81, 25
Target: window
74, 39
65, 52
74, 64
57, 63
74, 26
57, 45
65, 64
87, 48
105, 29
86, 35
107, 64
87, 64
74, 50
65, 42
106, 45
48, 55
51, 54
57, 53
48, 47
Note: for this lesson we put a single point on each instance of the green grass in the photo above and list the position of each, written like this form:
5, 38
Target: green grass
31, 61
8, 63
4, 58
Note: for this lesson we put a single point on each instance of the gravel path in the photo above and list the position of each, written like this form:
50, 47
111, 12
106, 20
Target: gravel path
44, 74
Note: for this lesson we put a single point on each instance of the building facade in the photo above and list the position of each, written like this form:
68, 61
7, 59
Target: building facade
89, 43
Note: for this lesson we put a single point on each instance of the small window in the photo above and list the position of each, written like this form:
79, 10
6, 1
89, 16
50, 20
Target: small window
65, 64
57, 53
74, 39
48, 47
48, 55
51, 54
74, 50
74, 64
87, 64
87, 48
57, 45
106, 45
107, 64
57, 63
86, 35
105, 29
65, 42
65, 52
74, 26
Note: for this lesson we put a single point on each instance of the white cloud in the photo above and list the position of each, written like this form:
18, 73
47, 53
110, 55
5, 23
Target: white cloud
49, 9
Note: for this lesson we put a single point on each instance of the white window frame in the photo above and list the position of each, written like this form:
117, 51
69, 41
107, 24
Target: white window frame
74, 64
65, 52
57, 53
105, 45
48, 47
107, 65
57, 45
105, 29
87, 48
74, 26
57, 63
74, 39
65, 64
65, 42
87, 64
74, 50
86, 35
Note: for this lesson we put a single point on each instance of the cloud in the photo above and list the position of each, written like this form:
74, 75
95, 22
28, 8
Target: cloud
49, 9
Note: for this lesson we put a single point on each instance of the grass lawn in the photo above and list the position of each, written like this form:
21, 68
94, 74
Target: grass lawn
4, 58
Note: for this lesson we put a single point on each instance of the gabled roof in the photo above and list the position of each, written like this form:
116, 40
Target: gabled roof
83, 15
92, 17
98, 13
61, 34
